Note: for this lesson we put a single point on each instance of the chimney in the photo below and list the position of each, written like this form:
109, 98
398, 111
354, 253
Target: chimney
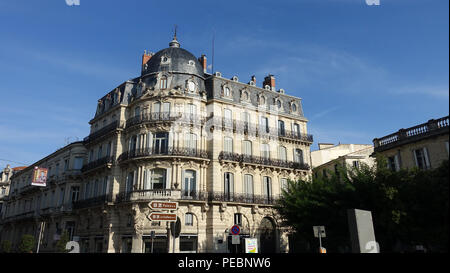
270, 81
202, 61
145, 58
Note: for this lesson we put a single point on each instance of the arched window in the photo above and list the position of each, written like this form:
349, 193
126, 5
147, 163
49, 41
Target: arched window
226, 91
189, 219
191, 142
163, 82
247, 148
265, 152
267, 188
228, 117
129, 182
282, 153
283, 184
296, 129
248, 187
228, 186
279, 104
228, 144
298, 156
189, 185
281, 130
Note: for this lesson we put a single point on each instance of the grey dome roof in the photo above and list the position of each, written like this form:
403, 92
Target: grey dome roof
178, 61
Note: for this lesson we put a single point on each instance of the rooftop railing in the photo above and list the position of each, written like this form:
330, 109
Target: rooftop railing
421, 130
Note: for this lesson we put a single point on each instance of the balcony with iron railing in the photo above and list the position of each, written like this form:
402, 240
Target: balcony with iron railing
258, 160
403, 136
242, 198
103, 131
104, 161
92, 202
165, 117
147, 195
164, 151
205, 196
248, 128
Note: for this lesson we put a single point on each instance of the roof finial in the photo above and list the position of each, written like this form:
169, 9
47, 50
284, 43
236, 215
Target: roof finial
174, 42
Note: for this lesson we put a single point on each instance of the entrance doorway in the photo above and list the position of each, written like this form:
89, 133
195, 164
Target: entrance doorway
267, 233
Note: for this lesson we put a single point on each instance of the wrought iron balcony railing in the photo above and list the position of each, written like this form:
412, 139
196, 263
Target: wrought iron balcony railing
241, 158
169, 151
103, 131
257, 130
97, 163
91, 202
242, 198
165, 117
210, 196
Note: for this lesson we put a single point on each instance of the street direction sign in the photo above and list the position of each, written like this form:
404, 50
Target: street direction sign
164, 205
159, 216
235, 230
318, 229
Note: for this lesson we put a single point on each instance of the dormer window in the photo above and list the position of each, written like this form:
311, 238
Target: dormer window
226, 91
191, 63
262, 100
165, 60
163, 82
278, 103
294, 107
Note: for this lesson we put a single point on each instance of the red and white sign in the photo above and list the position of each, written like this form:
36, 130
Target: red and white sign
163, 205
158, 216
39, 177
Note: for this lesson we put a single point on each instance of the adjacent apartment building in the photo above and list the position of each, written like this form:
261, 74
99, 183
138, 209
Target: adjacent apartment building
423, 146
223, 149
329, 158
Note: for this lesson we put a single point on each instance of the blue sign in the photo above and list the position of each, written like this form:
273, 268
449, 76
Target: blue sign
235, 230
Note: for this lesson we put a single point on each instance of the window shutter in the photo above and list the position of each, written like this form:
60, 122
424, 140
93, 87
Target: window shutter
397, 165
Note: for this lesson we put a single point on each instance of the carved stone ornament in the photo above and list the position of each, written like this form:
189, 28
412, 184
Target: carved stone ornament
255, 209
266, 171
248, 169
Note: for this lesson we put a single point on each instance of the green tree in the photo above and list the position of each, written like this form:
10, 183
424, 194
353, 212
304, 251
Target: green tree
5, 247
27, 244
408, 206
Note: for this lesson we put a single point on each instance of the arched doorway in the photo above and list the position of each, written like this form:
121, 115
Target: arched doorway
267, 235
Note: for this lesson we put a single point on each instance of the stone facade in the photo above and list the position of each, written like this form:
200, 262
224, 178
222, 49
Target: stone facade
220, 148
423, 146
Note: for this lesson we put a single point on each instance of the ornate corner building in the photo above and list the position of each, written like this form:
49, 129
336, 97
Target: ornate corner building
222, 149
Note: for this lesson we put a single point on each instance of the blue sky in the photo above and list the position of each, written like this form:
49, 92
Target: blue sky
362, 71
